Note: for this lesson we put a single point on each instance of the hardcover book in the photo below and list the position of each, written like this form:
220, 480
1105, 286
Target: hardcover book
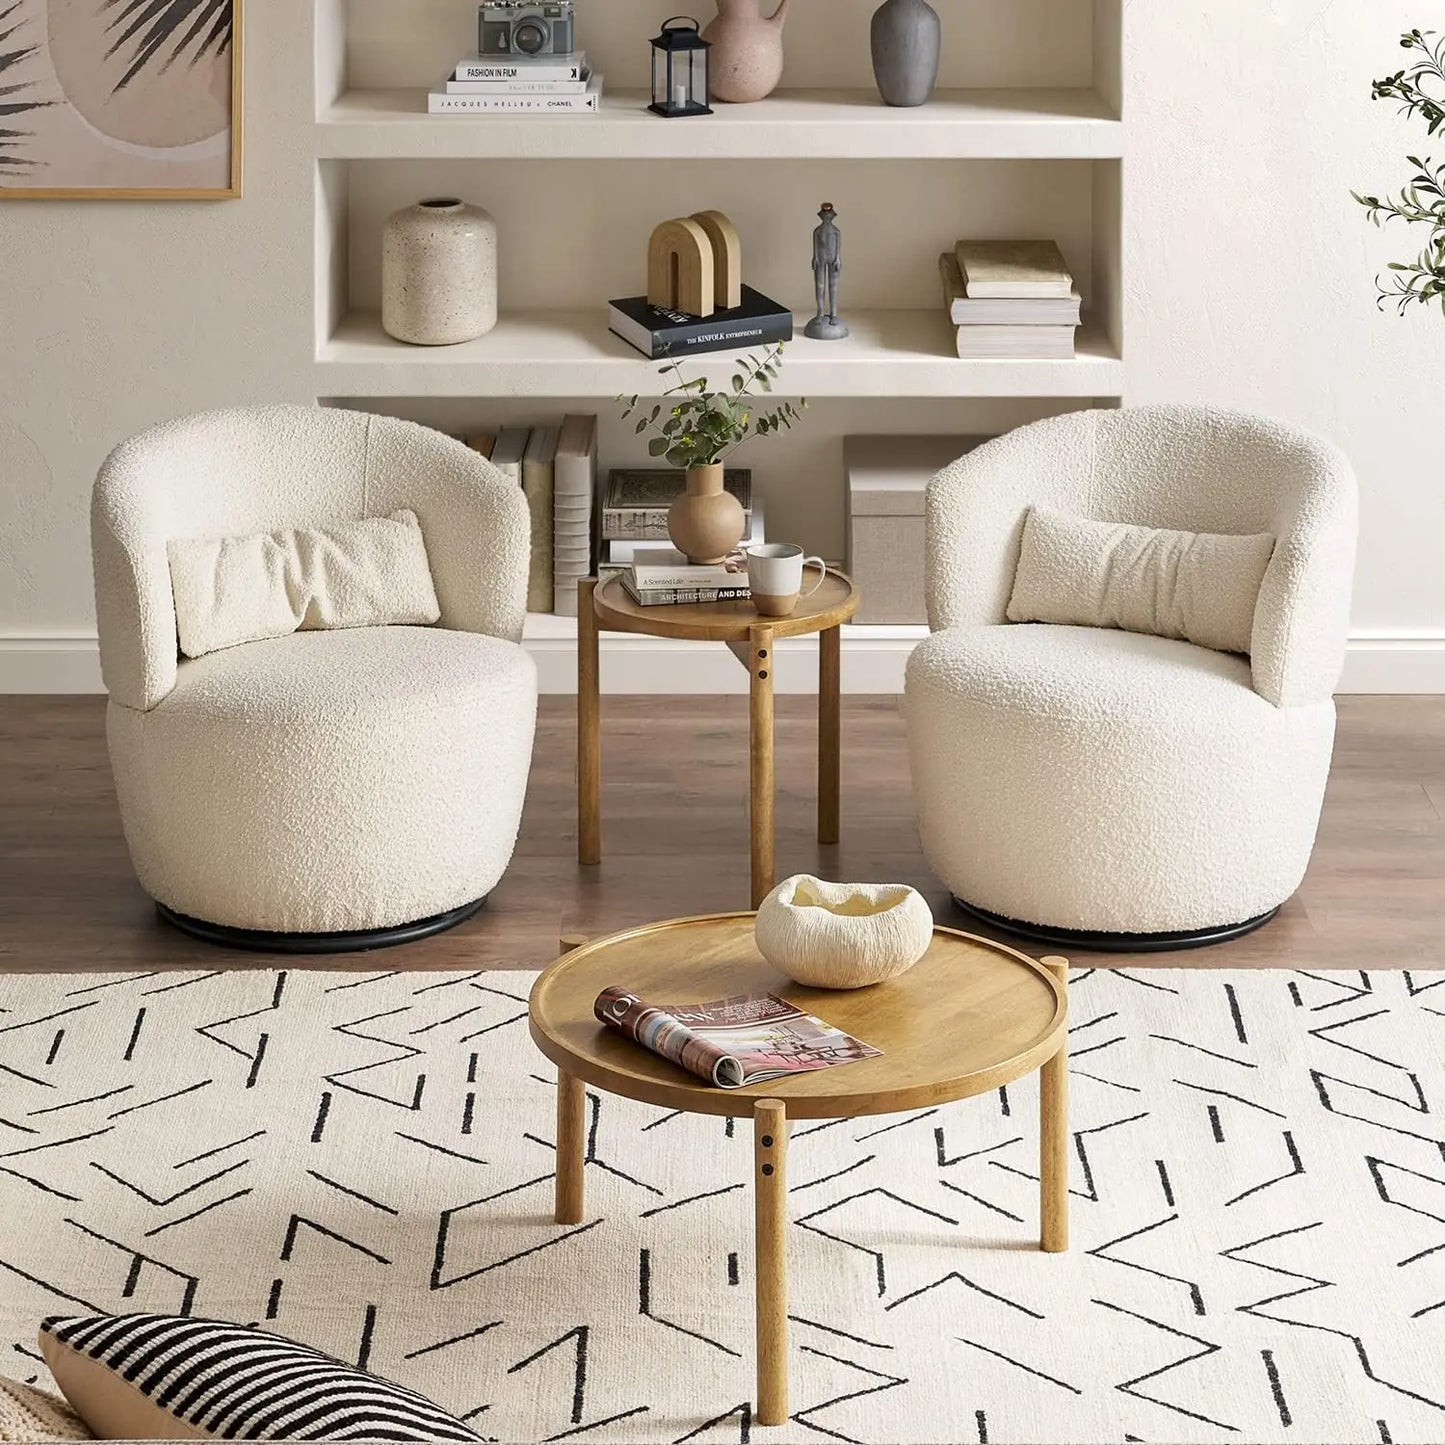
509, 449
621, 552
676, 596
1016, 343
634, 506
1014, 270
522, 67
662, 568
965, 310
519, 86
574, 501
589, 101
659, 333
538, 474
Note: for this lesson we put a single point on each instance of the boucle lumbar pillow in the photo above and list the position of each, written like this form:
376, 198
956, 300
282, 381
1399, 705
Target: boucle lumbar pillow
230, 590
161, 1377
1198, 587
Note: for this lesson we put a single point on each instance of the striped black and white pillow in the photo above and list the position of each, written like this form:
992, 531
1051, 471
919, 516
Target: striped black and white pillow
123, 1373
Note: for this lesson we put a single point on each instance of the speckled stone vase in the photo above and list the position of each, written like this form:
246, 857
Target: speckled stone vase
746, 62
907, 37
439, 273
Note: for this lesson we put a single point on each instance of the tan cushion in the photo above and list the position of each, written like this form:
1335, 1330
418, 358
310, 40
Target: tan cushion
1197, 587
30, 1414
168, 1377
230, 590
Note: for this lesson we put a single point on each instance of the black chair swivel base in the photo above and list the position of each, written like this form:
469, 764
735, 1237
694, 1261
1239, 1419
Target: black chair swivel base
1072, 938
256, 940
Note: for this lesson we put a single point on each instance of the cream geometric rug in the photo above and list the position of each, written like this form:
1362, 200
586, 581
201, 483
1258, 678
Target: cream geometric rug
364, 1162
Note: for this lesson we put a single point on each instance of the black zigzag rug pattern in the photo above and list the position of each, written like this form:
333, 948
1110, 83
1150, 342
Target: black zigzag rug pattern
365, 1162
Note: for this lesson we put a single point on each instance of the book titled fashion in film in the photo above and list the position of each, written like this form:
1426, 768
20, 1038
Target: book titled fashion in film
730, 1042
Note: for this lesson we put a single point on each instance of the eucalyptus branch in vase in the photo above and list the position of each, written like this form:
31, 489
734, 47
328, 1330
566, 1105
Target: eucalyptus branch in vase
697, 430
1419, 91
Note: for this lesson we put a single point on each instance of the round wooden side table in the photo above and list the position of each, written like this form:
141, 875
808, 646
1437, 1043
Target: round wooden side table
971, 1016
605, 606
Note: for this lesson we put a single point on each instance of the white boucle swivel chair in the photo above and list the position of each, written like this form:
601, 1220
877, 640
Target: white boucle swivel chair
1103, 788
330, 789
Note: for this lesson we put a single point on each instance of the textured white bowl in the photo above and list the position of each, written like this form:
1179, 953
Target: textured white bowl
842, 935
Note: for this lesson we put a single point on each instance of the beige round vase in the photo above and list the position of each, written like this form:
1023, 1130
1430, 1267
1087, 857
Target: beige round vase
439, 273
746, 60
707, 521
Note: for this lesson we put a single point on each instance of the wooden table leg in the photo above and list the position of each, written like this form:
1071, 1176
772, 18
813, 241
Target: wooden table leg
830, 741
571, 1148
770, 1192
1054, 1135
760, 750
589, 729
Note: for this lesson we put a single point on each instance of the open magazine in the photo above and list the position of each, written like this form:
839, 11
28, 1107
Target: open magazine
732, 1041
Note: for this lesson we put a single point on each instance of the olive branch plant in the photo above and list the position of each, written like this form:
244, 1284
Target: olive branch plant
702, 427
1419, 91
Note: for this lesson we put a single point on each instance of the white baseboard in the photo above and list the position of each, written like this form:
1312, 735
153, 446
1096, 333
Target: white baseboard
874, 659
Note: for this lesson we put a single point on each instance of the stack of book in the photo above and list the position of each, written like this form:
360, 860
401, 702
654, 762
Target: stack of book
556, 467
1010, 299
633, 526
662, 577
541, 84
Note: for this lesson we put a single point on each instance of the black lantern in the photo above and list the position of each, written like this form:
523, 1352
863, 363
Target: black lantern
679, 70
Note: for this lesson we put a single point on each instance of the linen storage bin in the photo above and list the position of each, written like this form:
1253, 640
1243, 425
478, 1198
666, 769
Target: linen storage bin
887, 477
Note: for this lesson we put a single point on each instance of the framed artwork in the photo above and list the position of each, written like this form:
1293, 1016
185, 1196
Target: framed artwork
123, 99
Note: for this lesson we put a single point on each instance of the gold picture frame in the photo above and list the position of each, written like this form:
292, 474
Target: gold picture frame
99, 87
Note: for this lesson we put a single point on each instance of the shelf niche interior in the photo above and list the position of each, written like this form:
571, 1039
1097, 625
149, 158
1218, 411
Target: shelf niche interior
986, 43
799, 474
567, 245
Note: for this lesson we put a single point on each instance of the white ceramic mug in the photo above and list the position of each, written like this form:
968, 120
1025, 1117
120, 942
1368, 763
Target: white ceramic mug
775, 577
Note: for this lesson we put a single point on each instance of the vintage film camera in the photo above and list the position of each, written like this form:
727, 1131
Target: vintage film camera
526, 27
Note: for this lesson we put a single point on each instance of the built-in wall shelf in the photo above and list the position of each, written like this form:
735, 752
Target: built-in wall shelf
838, 124
1026, 136
571, 354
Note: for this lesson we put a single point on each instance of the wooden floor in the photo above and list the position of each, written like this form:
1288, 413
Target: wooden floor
676, 841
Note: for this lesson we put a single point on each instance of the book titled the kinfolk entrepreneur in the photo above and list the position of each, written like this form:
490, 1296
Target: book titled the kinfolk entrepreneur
658, 332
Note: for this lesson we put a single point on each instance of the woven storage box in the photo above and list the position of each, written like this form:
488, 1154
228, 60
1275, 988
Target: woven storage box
887, 477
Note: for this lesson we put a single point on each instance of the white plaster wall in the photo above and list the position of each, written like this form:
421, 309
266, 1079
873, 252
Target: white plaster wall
116, 314
1248, 267
1248, 282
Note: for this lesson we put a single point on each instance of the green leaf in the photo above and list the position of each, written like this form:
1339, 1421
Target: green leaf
657, 446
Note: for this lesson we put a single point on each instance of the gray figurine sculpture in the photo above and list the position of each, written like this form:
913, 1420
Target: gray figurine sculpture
827, 268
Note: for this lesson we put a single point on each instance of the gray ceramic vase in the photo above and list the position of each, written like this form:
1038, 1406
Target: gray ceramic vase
907, 37
439, 273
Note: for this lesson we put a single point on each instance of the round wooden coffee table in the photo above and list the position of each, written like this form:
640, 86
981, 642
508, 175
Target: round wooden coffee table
971, 1016
606, 606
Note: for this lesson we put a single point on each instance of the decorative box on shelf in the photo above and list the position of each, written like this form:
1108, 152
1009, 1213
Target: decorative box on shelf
887, 478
